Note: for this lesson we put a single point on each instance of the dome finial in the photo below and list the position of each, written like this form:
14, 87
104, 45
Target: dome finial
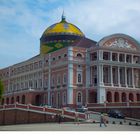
63, 16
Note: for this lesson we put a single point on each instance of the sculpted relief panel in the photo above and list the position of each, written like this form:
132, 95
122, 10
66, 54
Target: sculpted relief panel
120, 43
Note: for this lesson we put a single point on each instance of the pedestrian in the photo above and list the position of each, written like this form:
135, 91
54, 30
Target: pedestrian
102, 120
59, 118
76, 118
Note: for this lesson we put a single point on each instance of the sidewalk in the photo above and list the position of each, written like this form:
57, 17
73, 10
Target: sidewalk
69, 127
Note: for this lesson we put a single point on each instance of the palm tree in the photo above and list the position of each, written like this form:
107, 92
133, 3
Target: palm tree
1, 90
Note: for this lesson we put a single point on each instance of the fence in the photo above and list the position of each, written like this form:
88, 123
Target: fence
54, 111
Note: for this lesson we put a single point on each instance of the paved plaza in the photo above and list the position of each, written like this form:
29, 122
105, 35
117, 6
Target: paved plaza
68, 127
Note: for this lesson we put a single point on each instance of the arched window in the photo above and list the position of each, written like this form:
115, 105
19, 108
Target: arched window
79, 78
17, 99
79, 98
79, 55
23, 99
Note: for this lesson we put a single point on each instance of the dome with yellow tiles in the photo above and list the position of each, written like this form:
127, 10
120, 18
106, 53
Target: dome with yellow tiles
63, 27
59, 35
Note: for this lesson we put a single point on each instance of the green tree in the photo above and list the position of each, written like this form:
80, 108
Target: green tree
1, 90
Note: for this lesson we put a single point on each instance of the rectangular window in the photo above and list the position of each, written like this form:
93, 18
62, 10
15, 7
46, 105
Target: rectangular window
79, 77
64, 98
106, 55
64, 79
114, 57
58, 79
52, 82
121, 57
46, 83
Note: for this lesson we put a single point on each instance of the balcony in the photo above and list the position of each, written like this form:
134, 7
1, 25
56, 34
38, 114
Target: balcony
79, 84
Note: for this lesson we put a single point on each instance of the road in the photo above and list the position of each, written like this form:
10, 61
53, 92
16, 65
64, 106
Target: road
114, 120
69, 127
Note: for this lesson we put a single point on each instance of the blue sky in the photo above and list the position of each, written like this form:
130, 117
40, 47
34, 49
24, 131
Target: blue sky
22, 22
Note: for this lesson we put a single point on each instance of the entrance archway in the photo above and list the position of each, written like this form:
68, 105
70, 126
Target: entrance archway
109, 98
7, 101
23, 99
124, 97
52, 100
2, 102
116, 97
17, 99
138, 97
58, 100
79, 98
131, 97
37, 100
12, 100
92, 97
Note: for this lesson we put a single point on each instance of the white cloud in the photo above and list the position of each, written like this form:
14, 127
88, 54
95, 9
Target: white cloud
23, 22
106, 16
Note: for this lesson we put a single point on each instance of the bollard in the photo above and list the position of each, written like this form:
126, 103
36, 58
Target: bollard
121, 123
137, 124
113, 122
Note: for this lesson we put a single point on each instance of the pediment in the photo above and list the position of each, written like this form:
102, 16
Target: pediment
119, 41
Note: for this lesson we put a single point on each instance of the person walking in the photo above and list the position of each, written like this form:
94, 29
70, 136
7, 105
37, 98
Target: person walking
76, 118
59, 118
102, 120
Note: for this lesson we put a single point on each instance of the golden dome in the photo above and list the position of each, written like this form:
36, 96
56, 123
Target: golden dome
63, 27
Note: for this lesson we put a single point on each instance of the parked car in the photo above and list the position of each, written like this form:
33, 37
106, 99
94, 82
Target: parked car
116, 114
68, 108
82, 109
45, 105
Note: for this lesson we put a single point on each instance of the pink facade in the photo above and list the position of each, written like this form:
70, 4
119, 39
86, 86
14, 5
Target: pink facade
86, 72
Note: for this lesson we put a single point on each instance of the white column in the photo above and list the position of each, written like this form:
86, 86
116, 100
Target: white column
111, 76
110, 56
101, 93
119, 76
70, 76
125, 58
89, 75
100, 55
133, 83
126, 77
100, 74
132, 58
118, 56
